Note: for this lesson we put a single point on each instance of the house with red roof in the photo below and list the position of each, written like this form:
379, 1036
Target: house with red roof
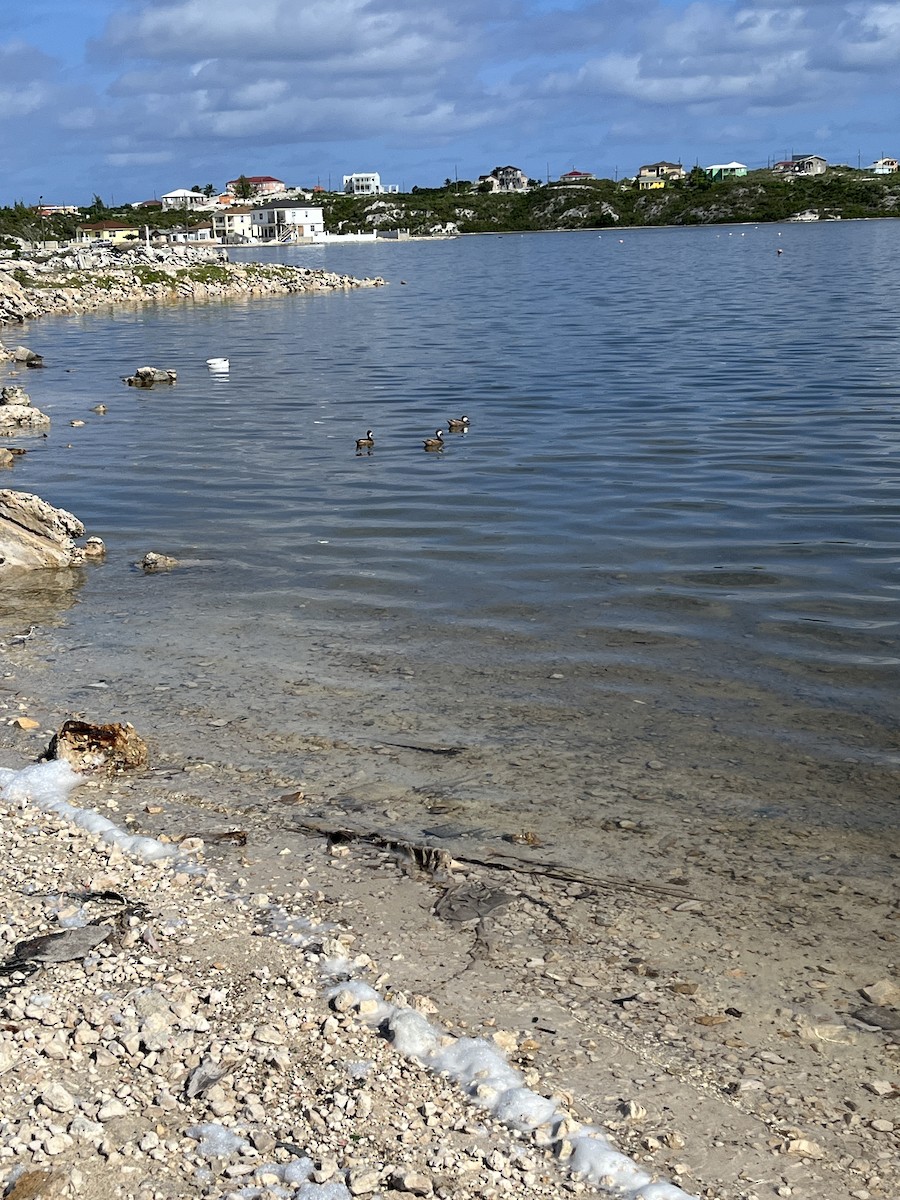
261, 185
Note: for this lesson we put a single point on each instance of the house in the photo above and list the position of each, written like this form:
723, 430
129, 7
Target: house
50, 210
504, 179
885, 166
286, 222
574, 176
368, 184
802, 164
156, 204
234, 223
106, 231
203, 232
719, 171
184, 200
656, 175
260, 185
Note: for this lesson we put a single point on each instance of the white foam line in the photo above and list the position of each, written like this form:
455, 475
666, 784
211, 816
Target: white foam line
476, 1065
46, 786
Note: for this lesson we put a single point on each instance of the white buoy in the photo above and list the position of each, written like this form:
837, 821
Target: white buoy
217, 364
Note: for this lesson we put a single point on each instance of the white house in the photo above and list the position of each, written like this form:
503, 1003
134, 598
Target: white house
183, 199
885, 166
234, 224
286, 222
368, 185
504, 179
802, 164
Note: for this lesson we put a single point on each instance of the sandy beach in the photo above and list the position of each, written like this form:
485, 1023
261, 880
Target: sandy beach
723, 1006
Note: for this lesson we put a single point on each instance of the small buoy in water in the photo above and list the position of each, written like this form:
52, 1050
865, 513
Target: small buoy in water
779, 251
217, 364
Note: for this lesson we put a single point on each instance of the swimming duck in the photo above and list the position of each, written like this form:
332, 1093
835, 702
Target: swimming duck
435, 443
457, 424
365, 443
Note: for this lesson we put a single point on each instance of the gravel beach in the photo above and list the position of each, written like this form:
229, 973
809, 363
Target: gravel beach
732, 1026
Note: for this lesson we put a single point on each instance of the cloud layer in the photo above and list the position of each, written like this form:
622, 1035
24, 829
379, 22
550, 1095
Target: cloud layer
154, 94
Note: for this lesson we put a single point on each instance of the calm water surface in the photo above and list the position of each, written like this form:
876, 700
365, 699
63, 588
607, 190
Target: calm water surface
670, 534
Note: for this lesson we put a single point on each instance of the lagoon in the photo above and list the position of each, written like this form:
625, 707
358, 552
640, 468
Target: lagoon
660, 571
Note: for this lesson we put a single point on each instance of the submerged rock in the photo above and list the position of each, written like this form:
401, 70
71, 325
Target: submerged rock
148, 376
152, 562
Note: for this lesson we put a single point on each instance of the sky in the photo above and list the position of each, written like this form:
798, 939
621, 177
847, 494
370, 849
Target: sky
128, 99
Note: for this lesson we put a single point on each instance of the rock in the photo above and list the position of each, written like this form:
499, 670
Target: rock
362, 1181
804, 1148
37, 1185
94, 548
152, 562
14, 395
416, 1183
34, 534
883, 993
29, 357
111, 1110
879, 1016
7, 458
148, 376
67, 945
57, 1099
84, 747
22, 416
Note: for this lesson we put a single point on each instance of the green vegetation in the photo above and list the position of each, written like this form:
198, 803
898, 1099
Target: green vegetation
460, 207
594, 204
205, 273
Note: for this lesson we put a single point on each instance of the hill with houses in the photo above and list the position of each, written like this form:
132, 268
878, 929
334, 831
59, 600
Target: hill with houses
262, 208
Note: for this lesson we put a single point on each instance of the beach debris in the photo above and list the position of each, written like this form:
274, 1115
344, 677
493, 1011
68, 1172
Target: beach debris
204, 1077
470, 902
153, 562
34, 534
429, 856
527, 837
146, 377
86, 747
27, 723
235, 837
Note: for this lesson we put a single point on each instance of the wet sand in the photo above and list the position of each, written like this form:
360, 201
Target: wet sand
701, 998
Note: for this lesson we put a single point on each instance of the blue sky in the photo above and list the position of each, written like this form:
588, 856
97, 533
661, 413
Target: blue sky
132, 98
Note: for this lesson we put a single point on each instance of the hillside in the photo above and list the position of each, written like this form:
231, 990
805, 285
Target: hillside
598, 203
457, 208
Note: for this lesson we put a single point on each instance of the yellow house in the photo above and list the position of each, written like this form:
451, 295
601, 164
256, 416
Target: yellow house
658, 174
107, 231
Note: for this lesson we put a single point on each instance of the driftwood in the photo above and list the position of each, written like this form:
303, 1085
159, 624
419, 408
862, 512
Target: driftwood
431, 858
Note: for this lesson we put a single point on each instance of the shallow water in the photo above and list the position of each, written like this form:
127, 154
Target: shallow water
669, 536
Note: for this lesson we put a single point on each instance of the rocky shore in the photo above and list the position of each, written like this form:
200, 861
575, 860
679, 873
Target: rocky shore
86, 280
